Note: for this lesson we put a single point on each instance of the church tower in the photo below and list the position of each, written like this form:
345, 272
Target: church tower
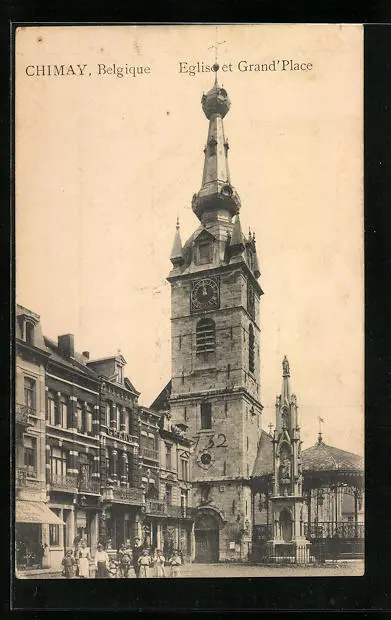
287, 494
215, 332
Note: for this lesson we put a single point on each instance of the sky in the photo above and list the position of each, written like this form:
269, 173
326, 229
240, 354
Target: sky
105, 165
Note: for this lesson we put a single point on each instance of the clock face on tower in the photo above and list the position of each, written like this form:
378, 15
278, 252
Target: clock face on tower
205, 294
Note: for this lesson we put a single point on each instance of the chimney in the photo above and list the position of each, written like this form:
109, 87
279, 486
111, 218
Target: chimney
66, 345
86, 354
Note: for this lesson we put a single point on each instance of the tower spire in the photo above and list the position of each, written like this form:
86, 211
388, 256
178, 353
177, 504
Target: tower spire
216, 191
176, 252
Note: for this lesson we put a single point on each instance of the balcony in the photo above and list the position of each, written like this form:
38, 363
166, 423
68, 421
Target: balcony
167, 510
64, 483
89, 486
25, 479
122, 495
149, 454
23, 415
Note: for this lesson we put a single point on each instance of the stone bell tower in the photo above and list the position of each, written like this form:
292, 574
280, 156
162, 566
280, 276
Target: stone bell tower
287, 495
215, 351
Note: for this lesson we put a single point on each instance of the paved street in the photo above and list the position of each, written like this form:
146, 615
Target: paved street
340, 569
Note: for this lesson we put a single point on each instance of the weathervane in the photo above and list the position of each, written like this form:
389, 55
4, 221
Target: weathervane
216, 65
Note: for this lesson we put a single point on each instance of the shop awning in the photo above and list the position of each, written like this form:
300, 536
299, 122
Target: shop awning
35, 512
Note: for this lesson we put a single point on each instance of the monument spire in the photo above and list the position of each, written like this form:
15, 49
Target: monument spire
216, 193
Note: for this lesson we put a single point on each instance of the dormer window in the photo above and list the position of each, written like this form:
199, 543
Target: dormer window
30, 333
120, 371
204, 253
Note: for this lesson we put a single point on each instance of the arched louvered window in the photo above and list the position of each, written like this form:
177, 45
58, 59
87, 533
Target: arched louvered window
205, 337
251, 339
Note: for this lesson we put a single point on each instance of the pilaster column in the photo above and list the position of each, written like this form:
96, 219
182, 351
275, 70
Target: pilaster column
70, 529
47, 465
59, 412
73, 412
95, 421
46, 403
122, 419
95, 466
94, 533
73, 462
113, 464
61, 530
124, 468
113, 415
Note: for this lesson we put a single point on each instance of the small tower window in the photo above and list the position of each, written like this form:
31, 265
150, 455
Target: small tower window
251, 364
204, 253
206, 415
205, 337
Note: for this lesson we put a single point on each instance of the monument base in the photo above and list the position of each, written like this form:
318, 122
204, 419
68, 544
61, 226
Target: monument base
293, 552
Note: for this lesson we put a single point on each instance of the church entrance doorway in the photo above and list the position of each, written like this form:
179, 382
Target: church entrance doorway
286, 525
206, 531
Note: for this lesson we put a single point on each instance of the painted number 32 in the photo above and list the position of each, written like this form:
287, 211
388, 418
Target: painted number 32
221, 442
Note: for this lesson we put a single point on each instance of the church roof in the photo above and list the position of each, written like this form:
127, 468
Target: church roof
161, 402
319, 457
322, 457
264, 460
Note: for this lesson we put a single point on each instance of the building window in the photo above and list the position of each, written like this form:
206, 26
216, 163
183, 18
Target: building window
29, 392
127, 421
120, 374
108, 410
118, 418
168, 494
30, 454
251, 339
79, 417
206, 415
54, 535
89, 419
204, 253
184, 502
64, 413
168, 456
53, 412
205, 337
185, 469
58, 462
30, 333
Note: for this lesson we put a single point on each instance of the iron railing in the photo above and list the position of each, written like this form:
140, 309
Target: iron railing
89, 486
27, 478
168, 510
130, 495
263, 532
332, 529
64, 483
23, 413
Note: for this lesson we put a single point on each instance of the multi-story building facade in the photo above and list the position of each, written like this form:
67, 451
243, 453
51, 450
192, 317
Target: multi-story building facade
33, 519
176, 526
72, 446
215, 328
121, 493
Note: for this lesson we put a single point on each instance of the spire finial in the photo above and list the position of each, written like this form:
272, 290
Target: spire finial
177, 222
270, 425
285, 367
216, 65
321, 421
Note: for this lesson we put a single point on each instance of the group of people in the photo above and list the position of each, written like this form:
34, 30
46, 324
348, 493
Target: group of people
144, 563
147, 564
